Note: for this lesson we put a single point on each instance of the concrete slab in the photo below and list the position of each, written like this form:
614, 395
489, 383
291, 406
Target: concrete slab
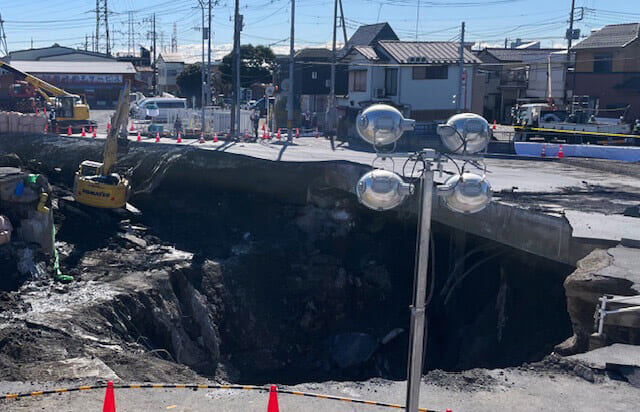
601, 226
617, 353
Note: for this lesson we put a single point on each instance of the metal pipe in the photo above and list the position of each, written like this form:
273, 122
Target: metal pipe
417, 341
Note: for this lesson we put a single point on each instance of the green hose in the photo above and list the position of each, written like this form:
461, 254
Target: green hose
56, 262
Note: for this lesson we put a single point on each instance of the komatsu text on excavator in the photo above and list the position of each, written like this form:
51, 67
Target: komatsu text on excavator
95, 183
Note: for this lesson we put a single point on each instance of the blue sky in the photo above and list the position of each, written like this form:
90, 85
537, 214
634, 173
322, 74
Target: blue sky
267, 21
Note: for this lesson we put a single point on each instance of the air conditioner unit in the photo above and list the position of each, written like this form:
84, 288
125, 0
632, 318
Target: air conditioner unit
379, 93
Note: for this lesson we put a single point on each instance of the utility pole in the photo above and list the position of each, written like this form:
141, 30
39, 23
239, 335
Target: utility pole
332, 94
3, 39
209, 58
290, 104
235, 107
417, 19
106, 26
97, 44
155, 69
459, 100
86, 42
344, 27
202, 84
569, 37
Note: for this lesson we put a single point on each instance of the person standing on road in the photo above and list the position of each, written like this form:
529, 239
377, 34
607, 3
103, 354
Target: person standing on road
52, 119
255, 119
177, 125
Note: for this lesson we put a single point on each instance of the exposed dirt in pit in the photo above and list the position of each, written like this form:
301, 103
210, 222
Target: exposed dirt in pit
251, 287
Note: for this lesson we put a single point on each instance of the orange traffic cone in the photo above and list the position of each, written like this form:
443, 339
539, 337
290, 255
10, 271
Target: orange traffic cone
83, 132
264, 133
139, 137
297, 132
560, 152
278, 135
543, 152
109, 399
157, 137
201, 137
132, 128
215, 137
494, 125
108, 126
317, 134
95, 130
273, 400
179, 137
69, 130
46, 128
37, 111
44, 110
246, 136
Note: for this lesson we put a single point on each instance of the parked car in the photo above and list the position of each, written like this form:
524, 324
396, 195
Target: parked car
165, 106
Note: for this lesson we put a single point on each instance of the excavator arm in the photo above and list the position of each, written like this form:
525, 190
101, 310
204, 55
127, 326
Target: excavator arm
34, 81
118, 123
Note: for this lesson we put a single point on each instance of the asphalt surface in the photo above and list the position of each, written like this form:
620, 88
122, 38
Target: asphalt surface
494, 390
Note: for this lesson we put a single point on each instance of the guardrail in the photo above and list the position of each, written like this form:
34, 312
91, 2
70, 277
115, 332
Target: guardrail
602, 312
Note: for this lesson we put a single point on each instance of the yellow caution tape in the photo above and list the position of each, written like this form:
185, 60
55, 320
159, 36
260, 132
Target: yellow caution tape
204, 386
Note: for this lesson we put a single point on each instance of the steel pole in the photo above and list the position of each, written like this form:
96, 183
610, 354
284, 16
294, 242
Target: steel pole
417, 339
292, 94
209, 57
202, 97
568, 58
331, 120
459, 100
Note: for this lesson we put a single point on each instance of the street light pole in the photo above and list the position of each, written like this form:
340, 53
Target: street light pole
465, 192
418, 321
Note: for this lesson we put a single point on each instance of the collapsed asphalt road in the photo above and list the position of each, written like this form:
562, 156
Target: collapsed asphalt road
223, 277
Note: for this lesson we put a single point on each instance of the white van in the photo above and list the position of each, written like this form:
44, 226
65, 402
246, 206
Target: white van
166, 106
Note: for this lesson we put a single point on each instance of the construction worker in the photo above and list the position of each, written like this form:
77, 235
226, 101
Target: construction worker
255, 120
177, 125
52, 119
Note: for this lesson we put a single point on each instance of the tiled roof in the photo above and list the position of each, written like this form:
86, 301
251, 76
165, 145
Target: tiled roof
517, 55
426, 52
614, 35
313, 53
369, 34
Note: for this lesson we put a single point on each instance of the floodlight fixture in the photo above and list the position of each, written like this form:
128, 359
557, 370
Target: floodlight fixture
381, 124
465, 133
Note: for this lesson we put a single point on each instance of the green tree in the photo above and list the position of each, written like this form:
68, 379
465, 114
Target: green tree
256, 65
190, 81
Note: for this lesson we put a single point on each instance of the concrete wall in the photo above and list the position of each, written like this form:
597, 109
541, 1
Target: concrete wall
167, 82
538, 67
625, 59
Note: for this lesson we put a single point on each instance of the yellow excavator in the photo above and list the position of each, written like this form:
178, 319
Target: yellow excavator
71, 109
95, 184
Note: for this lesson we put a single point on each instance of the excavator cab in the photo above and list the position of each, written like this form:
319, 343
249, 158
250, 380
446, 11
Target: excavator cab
95, 183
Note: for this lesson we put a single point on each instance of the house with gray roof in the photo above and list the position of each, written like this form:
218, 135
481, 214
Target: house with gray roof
519, 75
606, 73
419, 78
